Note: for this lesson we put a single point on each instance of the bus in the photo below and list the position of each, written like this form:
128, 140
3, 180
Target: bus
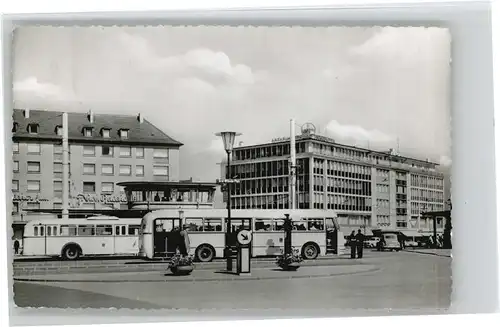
315, 232
72, 238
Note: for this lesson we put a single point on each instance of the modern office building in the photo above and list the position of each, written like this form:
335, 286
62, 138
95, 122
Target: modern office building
103, 150
368, 189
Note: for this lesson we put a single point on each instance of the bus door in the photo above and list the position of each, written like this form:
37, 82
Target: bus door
43, 237
51, 244
238, 224
166, 236
331, 236
121, 240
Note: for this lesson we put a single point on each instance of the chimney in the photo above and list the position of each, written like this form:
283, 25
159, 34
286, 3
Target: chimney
91, 116
26, 113
140, 118
241, 143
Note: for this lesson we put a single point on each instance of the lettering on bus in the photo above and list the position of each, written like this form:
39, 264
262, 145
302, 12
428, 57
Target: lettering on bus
28, 198
102, 198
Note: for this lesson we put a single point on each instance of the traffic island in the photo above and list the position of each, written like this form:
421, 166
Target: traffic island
204, 275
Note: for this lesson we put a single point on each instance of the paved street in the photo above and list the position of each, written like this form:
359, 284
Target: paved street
404, 280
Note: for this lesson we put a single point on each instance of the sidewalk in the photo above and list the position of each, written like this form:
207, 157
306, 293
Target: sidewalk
199, 275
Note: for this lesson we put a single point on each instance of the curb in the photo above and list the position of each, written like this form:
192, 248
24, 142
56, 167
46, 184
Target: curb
190, 280
428, 253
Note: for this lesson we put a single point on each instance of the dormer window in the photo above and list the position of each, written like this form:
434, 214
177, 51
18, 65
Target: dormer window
59, 130
87, 131
33, 128
105, 132
124, 133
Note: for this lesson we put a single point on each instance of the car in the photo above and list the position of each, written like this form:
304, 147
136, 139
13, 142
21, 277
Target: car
391, 242
411, 242
371, 242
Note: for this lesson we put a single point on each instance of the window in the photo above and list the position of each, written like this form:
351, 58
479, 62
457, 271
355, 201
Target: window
124, 133
125, 151
133, 229
107, 169
104, 230
139, 170
33, 205
57, 205
125, 170
107, 187
33, 128
89, 169
33, 148
89, 206
194, 224
160, 170
263, 225
59, 130
58, 189
139, 152
89, 150
105, 132
87, 131
15, 167
86, 230
89, 187
33, 167
160, 153
15, 185
212, 224
15, 147
15, 207
58, 149
120, 230
68, 230
107, 150
58, 167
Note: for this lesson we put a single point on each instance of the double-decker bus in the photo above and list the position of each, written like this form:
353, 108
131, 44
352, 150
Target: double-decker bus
315, 232
72, 238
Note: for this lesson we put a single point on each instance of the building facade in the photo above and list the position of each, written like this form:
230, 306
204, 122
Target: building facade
103, 150
368, 189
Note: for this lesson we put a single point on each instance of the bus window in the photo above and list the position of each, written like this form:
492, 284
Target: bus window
124, 230
49, 231
166, 224
133, 230
41, 231
35, 231
68, 230
104, 230
315, 224
330, 223
86, 230
278, 224
300, 225
212, 225
54, 230
194, 224
263, 225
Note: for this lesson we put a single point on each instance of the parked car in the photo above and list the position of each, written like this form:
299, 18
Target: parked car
371, 242
411, 242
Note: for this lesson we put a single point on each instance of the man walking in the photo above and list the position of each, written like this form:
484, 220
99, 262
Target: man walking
360, 242
352, 244
16, 246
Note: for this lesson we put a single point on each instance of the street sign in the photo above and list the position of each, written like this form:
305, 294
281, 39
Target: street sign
244, 237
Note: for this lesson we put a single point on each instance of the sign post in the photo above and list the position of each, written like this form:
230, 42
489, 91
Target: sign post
244, 238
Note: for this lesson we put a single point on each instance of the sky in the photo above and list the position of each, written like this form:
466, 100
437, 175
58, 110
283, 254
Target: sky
377, 87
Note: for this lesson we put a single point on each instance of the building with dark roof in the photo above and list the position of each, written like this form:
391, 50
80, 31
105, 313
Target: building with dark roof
368, 189
104, 149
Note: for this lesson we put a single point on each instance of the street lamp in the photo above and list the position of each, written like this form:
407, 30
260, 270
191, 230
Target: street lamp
228, 140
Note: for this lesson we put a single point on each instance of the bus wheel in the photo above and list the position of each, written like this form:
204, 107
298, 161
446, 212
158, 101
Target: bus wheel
310, 251
205, 253
71, 252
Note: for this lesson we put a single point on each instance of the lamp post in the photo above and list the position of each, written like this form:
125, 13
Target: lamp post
228, 140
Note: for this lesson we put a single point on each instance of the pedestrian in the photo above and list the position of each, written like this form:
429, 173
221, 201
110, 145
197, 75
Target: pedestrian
352, 244
184, 246
16, 246
360, 240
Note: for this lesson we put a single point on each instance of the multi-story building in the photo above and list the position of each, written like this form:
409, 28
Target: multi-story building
103, 150
367, 188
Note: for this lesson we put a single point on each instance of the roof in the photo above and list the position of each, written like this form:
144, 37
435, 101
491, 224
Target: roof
324, 139
138, 132
144, 185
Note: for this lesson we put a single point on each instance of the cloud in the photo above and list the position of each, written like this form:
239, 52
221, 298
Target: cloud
355, 133
445, 161
32, 86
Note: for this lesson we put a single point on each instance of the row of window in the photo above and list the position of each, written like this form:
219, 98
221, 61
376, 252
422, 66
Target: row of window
86, 230
427, 181
267, 185
278, 201
172, 196
87, 131
418, 208
268, 151
341, 185
383, 219
90, 150
426, 195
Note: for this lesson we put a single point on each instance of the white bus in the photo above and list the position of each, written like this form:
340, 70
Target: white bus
316, 232
73, 238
